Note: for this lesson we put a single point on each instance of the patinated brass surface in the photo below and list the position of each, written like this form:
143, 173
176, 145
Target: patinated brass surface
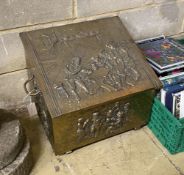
92, 77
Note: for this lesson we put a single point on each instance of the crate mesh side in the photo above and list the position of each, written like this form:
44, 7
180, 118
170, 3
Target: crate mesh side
168, 129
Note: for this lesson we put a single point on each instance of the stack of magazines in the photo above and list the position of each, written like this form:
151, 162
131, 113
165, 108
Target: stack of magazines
166, 57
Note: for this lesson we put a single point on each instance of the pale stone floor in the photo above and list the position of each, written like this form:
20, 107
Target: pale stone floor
131, 153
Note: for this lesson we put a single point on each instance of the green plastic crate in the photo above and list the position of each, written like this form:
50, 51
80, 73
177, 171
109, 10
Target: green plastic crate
181, 41
168, 129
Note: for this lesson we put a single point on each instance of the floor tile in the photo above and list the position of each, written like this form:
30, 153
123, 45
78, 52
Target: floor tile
130, 153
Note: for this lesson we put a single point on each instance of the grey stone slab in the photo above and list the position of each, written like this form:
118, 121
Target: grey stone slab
12, 55
12, 93
11, 141
164, 19
131, 153
22, 164
94, 7
176, 159
16, 13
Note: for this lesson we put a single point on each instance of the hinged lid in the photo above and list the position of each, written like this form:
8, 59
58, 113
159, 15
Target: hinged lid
82, 65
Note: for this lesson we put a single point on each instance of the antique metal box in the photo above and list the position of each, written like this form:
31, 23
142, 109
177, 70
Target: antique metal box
94, 81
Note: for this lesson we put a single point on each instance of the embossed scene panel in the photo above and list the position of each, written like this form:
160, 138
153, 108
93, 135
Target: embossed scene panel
83, 63
101, 121
81, 66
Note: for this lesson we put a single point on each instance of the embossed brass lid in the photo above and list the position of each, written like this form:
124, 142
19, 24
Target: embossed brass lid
81, 65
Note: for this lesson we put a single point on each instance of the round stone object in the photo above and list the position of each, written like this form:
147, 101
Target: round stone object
22, 164
11, 141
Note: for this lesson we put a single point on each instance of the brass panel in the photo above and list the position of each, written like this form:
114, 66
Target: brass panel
93, 79
86, 64
81, 128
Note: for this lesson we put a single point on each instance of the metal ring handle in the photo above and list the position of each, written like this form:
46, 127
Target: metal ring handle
33, 92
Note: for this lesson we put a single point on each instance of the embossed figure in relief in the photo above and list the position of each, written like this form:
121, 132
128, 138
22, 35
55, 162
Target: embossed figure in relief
50, 42
120, 72
109, 121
